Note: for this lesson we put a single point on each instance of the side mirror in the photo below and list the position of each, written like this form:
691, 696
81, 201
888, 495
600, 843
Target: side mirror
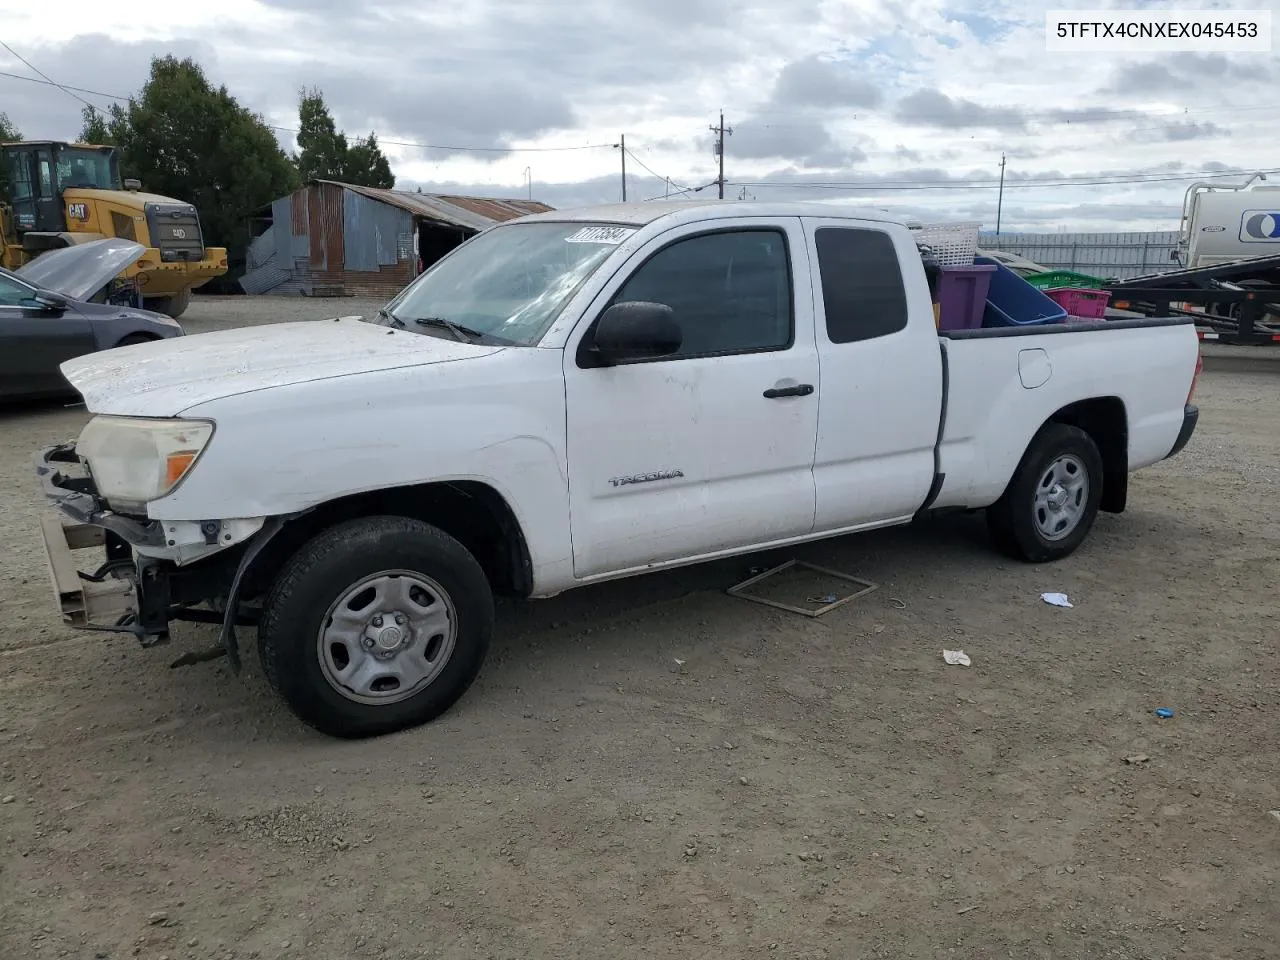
50, 301
638, 330
133, 185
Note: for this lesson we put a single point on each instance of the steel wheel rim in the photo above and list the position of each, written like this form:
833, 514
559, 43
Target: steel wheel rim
1061, 498
387, 637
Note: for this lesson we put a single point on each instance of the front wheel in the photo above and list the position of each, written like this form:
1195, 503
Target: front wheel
173, 307
1052, 501
376, 625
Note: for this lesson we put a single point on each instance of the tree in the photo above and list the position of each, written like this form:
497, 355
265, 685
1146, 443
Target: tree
322, 149
94, 127
368, 165
7, 132
325, 154
185, 139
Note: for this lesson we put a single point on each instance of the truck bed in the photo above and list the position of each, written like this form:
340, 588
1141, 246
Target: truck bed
998, 380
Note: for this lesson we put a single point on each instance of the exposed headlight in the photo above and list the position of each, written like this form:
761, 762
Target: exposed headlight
135, 460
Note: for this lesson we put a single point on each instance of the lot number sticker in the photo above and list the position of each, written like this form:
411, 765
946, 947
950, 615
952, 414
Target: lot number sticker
609, 235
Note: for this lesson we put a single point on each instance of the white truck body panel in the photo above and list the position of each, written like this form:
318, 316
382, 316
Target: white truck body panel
990, 410
139, 382
310, 412
878, 408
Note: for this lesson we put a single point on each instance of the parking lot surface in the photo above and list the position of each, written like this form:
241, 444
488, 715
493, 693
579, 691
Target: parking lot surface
654, 768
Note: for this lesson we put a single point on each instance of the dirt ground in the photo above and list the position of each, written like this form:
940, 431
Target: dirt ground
656, 769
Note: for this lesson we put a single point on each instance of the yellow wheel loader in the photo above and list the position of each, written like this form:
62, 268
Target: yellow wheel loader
61, 194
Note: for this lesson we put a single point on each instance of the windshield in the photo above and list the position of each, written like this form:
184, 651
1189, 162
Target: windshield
85, 168
506, 285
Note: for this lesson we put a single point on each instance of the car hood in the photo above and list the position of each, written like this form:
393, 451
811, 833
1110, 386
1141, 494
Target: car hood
80, 271
164, 378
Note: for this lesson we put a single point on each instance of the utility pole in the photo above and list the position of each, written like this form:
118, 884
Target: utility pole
1000, 197
623, 141
720, 131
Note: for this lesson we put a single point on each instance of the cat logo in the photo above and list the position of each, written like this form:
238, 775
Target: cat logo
77, 211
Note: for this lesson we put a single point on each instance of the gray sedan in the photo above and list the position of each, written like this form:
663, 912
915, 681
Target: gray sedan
60, 306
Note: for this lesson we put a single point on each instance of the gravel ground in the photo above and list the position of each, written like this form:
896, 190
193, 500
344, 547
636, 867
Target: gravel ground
653, 768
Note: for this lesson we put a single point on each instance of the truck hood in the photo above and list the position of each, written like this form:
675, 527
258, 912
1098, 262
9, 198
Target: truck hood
166, 377
80, 271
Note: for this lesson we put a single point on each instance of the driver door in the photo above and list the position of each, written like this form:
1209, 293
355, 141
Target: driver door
35, 340
698, 453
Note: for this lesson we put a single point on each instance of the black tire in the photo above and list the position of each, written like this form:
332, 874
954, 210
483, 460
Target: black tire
133, 338
321, 572
172, 307
1012, 520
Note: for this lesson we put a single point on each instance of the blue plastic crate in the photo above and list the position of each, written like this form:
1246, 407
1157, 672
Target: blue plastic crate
1012, 302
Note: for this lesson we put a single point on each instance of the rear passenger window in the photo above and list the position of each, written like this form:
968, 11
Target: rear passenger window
862, 289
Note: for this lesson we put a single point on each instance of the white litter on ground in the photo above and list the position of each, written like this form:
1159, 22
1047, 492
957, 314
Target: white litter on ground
956, 658
1056, 599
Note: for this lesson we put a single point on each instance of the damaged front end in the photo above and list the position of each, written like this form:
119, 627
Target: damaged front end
149, 572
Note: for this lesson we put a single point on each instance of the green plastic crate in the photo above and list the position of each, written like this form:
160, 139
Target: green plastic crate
1063, 278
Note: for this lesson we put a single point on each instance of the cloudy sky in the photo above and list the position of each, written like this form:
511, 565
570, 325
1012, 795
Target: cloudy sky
906, 104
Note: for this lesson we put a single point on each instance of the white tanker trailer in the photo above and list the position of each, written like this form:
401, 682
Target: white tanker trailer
1222, 223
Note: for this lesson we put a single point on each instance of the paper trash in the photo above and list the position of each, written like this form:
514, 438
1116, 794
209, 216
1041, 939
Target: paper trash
1057, 599
956, 658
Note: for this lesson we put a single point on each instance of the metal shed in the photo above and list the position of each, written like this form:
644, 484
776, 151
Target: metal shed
330, 239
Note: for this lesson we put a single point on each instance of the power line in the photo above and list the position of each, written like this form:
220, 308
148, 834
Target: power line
686, 190
655, 173
1119, 180
1074, 116
47, 78
271, 126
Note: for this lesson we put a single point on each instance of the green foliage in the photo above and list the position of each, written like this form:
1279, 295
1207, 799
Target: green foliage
368, 165
187, 140
7, 132
322, 149
94, 127
325, 154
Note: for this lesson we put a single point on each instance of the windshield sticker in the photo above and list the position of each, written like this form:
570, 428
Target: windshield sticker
610, 235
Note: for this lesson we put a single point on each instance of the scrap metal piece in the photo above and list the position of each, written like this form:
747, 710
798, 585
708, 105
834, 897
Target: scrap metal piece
739, 589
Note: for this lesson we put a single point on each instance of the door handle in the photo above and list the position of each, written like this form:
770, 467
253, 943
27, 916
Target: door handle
799, 390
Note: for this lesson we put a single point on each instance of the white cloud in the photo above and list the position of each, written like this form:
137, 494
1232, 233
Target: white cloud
818, 91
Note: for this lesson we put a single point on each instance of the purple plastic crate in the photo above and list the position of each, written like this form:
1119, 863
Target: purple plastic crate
962, 296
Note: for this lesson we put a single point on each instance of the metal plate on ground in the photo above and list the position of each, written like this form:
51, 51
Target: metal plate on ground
817, 581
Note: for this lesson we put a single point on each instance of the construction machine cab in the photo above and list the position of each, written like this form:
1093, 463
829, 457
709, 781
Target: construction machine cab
38, 171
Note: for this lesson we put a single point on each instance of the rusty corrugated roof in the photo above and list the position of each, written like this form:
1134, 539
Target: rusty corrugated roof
474, 213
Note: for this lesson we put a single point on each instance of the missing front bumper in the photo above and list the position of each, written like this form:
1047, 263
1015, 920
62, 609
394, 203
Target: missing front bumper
105, 600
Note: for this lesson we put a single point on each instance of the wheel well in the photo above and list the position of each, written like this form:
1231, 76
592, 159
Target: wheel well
1105, 421
132, 338
471, 512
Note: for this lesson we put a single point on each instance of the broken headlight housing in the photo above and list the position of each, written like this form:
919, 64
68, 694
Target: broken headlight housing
135, 460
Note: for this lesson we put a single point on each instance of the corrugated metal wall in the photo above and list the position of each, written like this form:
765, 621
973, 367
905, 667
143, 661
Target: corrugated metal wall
372, 231
327, 241
1119, 255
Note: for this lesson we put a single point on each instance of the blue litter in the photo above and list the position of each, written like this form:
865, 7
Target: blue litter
1164, 713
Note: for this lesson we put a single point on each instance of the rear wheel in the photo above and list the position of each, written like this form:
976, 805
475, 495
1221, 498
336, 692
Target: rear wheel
174, 306
1052, 501
376, 625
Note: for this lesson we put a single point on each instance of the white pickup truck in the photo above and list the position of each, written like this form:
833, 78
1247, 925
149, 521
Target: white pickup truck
568, 398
